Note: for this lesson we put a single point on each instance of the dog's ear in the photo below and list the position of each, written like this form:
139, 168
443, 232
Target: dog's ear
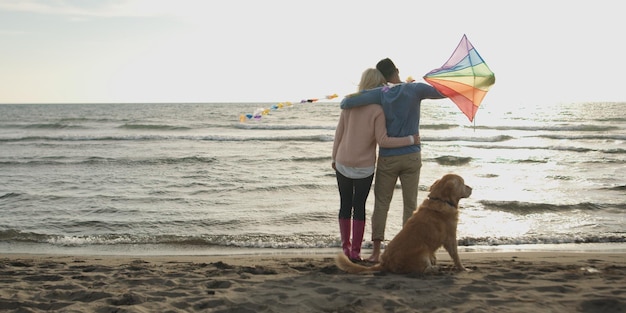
432, 187
440, 189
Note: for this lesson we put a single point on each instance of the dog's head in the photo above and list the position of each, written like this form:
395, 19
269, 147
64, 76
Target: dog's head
451, 188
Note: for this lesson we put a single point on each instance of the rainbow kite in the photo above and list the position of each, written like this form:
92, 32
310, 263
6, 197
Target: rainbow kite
465, 78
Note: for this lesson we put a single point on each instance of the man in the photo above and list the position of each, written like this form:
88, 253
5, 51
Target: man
401, 104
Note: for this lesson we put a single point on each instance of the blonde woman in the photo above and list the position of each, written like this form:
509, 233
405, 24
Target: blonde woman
354, 158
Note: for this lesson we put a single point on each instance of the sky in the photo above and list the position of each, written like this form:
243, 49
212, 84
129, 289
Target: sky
112, 51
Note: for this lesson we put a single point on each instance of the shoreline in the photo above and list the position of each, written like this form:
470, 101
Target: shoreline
192, 250
310, 282
254, 258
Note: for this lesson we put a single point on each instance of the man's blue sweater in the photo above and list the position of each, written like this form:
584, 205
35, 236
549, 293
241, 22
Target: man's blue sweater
401, 104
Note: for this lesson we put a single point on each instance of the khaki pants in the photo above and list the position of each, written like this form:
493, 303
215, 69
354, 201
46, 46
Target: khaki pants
388, 170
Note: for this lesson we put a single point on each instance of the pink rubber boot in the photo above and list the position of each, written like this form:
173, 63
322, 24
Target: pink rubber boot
344, 230
358, 229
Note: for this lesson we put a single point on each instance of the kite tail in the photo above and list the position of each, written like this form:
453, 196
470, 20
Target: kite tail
256, 115
344, 263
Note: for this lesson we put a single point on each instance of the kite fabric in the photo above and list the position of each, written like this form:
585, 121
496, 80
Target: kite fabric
465, 78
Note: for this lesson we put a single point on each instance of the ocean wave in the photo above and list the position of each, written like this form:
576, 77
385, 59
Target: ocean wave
615, 151
617, 188
141, 161
584, 137
552, 128
112, 161
499, 138
312, 159
153, 127
610, 150
273, 241
253, 126
534, 240
523, 208
291, 188
324, 137
438, 126
314, 138
244, 240
557, 148
43, 126
9, 195
452, 160
611, 119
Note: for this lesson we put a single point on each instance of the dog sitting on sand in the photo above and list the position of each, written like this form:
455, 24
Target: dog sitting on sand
432, 225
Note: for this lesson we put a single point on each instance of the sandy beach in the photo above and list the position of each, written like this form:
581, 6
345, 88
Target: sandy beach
497, 282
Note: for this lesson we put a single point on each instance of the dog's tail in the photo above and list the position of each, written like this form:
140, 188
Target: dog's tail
345, 264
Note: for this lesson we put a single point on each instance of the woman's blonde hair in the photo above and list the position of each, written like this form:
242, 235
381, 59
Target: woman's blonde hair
371, 78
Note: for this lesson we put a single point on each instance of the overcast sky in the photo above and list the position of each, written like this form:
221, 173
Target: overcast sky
271, 50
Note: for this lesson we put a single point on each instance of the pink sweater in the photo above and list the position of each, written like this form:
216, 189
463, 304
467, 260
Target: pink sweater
358, 131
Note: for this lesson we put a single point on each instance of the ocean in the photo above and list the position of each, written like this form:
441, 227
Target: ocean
192, 178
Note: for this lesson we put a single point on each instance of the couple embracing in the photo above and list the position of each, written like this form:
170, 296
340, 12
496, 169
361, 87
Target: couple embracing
385, 111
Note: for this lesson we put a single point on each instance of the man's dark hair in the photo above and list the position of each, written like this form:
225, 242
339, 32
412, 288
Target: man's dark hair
386, 67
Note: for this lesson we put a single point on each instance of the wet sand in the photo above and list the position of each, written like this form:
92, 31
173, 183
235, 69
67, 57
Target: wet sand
498, 282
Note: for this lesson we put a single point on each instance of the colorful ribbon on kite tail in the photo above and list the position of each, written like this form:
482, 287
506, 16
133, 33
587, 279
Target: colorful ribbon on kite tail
260, 112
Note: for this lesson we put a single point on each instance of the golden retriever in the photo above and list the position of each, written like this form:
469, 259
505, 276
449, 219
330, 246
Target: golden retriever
432, 225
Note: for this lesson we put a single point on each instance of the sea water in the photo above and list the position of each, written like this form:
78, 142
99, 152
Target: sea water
193, 178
